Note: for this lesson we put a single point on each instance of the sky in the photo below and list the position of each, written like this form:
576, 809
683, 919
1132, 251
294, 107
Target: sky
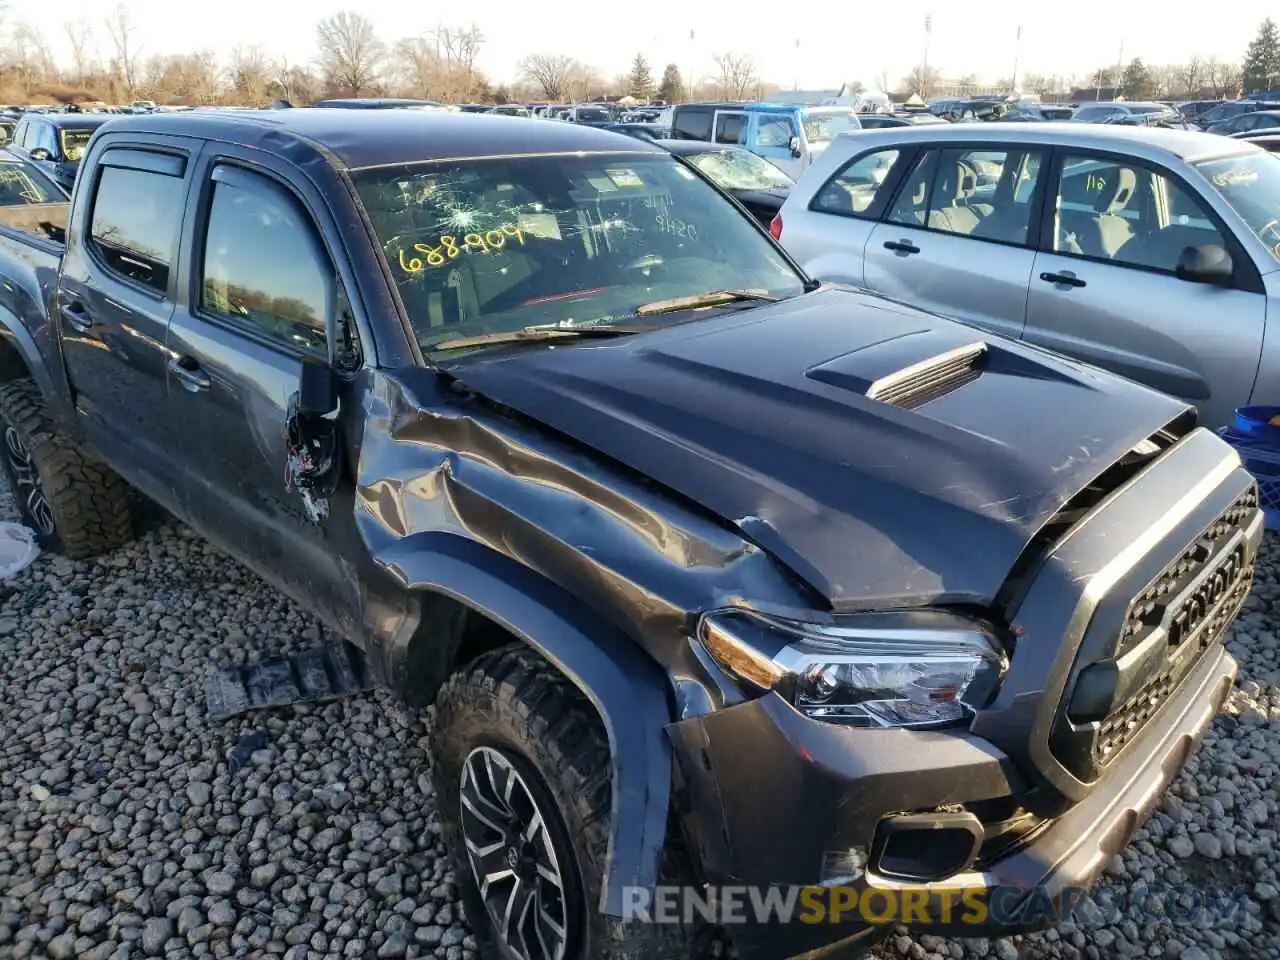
838, 40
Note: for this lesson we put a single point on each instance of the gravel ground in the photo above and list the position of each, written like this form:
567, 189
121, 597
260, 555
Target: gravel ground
126, 830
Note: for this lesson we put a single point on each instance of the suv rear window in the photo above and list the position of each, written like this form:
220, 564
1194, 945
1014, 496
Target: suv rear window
692, 123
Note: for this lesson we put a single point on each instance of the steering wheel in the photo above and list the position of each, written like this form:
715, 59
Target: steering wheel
1270, 234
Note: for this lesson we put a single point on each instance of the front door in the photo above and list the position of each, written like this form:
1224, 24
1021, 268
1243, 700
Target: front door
1105, 288
261, 297
957, 237
113, 304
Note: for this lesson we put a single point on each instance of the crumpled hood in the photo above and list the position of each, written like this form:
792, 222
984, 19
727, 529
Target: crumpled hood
761, 416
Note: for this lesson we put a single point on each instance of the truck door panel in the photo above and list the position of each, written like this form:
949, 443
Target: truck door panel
113, 305
259, 294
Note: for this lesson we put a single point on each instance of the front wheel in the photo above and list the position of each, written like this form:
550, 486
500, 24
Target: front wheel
521, 768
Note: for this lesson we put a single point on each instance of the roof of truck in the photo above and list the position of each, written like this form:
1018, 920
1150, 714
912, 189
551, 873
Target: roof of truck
370, 138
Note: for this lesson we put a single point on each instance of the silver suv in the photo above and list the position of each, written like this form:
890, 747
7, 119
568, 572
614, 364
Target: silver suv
1153, 253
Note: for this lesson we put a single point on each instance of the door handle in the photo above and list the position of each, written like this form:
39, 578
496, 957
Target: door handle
902, 247
189, 374
1065, 279
74, 313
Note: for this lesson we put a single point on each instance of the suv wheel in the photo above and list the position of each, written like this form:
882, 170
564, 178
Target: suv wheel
521, 769
75, 505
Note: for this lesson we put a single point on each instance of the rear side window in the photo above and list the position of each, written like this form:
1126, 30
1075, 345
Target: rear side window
263, 265
854, 189
729, 127
692, 124
135, 222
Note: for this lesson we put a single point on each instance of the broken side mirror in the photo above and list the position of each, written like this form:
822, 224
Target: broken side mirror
314, 462
1206, 263
794, 144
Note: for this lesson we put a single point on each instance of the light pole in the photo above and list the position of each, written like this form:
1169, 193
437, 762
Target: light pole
924, 63
1017, 44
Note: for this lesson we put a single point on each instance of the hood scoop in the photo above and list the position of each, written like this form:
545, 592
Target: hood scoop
890, 372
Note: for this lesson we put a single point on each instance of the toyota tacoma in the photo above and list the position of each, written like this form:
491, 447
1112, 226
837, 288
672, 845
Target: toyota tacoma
715, 576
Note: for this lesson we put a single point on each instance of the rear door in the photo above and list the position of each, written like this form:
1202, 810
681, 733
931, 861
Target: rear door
259, 293
114, 302
958, 237
1105, 287
728, 127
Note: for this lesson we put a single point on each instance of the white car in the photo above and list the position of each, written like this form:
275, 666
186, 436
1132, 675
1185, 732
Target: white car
1153, 253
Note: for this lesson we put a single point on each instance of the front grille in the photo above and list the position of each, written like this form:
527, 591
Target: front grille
1086, 739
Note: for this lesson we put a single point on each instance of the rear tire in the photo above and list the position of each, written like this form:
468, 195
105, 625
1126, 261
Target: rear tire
77, 506
511, 712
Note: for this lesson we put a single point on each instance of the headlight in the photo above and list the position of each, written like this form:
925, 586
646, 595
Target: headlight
921, 669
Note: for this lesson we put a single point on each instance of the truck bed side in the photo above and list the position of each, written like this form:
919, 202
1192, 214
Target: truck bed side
30, 256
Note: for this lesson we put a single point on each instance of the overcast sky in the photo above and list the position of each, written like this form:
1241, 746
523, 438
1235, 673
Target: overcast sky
837, 40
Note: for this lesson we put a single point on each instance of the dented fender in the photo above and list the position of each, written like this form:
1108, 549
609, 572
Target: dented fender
628, 691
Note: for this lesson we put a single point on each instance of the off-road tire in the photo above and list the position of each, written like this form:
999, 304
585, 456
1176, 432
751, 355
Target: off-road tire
88, 500
514, 701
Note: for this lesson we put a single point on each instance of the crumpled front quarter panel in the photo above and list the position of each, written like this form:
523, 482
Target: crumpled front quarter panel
437, 461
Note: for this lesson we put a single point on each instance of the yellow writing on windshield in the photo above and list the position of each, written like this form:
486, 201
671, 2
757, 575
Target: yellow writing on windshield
450, 247
1235, 178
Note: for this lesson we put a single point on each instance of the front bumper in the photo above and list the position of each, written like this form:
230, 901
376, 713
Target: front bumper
774, 799
775, 794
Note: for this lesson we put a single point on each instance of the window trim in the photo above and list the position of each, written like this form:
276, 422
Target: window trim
876, 209
715, 123
1246, 275
91, 242
1036, 206
242, 176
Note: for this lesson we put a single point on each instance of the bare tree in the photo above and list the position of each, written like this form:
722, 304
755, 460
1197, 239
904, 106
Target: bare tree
185, 78
1191, 77
882, 81
127, 51
351, 54
549, 71
1223, 78
29, 55
293, 82
418, 64
250, 74
80, 39
921, 80
737, 79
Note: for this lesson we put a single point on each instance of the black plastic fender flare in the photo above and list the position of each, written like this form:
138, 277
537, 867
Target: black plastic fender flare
626, 687
15, 335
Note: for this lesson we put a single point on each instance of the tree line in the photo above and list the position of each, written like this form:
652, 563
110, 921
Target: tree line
108, 62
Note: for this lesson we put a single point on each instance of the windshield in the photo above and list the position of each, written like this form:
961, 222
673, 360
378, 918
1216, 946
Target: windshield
740, 170
821, 127
495, 245
20, 184
1250, 183
592, 115
74, 142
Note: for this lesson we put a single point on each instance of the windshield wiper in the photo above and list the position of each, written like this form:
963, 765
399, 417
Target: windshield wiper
711, 298
528, 334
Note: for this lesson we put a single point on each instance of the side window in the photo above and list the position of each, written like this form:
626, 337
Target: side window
774, 132
692, 123
263, 264
1128, 215
135, 221
729, 127
20, 133
45, 138
854, 188
984, 194
911, 204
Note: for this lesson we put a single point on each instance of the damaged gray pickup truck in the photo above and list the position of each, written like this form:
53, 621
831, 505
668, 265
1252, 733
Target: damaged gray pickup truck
719, 580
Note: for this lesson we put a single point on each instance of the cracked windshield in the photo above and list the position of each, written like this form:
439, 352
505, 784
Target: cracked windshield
491, 246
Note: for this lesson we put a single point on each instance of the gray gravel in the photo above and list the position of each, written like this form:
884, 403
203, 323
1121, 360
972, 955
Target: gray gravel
126, 832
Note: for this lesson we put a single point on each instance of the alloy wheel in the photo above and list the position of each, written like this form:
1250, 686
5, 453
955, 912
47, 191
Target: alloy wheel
513, 857
27, 481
